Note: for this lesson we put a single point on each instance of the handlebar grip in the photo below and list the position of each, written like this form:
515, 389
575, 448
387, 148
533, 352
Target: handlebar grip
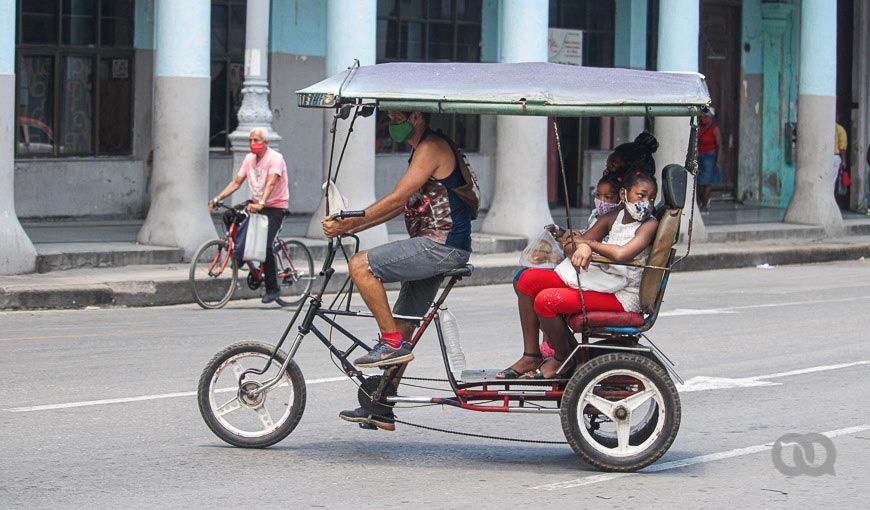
348, 214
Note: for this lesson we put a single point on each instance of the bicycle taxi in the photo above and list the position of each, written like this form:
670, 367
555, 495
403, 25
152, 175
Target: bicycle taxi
619, 409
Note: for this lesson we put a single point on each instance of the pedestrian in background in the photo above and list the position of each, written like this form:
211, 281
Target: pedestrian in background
841, 144
710, 156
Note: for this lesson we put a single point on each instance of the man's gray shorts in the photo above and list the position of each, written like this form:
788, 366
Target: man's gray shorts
418, 263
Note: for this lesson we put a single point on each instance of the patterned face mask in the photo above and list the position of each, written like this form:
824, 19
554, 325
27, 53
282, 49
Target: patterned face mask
603, 207
640, 210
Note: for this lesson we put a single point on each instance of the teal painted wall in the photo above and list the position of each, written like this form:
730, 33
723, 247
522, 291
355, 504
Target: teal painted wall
7, 39
489, 48
143, 25
630, 34
298, 27
753, 35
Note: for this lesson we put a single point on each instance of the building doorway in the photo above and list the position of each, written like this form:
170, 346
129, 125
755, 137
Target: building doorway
719, 55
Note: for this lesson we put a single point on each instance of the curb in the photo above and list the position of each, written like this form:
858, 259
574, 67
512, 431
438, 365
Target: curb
499, 270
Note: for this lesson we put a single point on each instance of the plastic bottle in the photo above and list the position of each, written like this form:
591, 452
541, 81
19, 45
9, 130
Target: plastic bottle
450, 331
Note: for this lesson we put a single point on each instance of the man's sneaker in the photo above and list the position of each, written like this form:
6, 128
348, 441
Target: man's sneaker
387, 421
383, 354
271, 296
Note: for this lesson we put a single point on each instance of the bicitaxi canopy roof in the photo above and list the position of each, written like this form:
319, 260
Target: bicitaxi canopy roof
532, 88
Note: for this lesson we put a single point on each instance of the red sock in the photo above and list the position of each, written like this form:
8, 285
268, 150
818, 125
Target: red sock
392, 338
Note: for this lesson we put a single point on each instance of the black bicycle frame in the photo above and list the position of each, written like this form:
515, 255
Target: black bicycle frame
328, 314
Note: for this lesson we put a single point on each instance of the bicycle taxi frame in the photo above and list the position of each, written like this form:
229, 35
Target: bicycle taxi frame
620, 410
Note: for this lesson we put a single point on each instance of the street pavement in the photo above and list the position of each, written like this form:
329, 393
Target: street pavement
97, 408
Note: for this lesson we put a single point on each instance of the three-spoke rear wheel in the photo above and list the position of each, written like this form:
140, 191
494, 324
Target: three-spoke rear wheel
213, 274
231, 409
620, 412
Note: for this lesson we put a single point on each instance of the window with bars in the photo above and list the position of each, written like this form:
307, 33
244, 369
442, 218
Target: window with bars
74, 77
227, 69
430, 31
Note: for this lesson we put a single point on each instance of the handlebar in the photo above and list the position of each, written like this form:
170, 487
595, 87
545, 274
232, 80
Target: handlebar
237, 207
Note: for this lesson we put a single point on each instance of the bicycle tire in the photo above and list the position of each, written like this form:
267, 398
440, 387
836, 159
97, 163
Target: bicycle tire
298, 280
206, 292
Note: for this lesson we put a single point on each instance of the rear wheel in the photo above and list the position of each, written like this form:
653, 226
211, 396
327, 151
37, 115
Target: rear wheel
295, 269
242, 419
213, 274
620, 412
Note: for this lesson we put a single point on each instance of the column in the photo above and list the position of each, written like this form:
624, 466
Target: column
678, 51
254, 110
813, 200
860, 135
629, 52
519, 201
17, 254
350, 34
178, 215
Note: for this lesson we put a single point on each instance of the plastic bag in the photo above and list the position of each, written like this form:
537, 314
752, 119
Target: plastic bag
599, 278
255, 238
337, 201
543, 252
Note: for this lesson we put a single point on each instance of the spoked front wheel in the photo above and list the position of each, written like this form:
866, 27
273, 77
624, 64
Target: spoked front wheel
295, 269
620, 412
237, 416
213, 274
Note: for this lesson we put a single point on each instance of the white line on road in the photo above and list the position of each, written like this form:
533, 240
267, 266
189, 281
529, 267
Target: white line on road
141, 398
674, 464
682, 312
700, 383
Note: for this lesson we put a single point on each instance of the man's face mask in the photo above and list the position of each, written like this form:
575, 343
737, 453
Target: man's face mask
257, 147
401, 131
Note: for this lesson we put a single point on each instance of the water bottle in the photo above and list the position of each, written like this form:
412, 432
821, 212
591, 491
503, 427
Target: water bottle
450, 331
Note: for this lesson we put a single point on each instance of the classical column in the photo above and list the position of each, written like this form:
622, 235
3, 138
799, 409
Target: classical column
678, 51
350, 34
255, 110
813, 200
17, 254
519, 201
178, 215
629, 52
860, 135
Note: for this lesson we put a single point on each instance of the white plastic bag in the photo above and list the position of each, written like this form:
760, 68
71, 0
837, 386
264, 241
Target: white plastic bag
255, 238
607, 279
336, 201
543, 252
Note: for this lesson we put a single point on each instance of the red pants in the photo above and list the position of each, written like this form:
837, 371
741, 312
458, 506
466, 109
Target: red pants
553, 297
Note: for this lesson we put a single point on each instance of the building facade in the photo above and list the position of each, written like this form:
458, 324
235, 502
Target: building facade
86, 73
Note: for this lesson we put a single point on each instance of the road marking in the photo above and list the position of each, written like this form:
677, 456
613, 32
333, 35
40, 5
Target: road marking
141, 398
702, 383
683, 312
675, 464
699, 383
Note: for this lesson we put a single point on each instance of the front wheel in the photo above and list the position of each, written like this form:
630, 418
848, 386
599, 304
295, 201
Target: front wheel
236, 416
213, 274
620, 412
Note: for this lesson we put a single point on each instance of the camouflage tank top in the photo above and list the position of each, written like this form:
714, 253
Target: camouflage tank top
437, 213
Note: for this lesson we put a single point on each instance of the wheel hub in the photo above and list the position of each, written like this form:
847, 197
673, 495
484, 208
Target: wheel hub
246, 397
620, 413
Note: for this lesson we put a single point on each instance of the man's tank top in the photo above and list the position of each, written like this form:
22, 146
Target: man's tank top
436, 212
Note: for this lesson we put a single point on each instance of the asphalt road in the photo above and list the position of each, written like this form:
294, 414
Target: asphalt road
765, 352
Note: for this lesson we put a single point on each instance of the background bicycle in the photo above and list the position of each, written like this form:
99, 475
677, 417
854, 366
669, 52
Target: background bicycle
214, 271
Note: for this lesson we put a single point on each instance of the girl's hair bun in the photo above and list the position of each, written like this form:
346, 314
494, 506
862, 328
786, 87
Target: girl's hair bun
647, 142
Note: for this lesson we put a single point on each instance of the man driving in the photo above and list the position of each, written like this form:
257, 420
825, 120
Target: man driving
439, 224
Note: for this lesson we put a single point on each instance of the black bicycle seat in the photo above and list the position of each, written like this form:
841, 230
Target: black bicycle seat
460, 272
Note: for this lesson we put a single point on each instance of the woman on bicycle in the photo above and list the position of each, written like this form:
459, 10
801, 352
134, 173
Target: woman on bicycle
266, 173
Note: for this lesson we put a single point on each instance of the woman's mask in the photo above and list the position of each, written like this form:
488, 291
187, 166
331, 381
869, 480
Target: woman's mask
603, 207
401, 131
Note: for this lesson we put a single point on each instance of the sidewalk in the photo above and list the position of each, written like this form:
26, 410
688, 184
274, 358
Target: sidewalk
98, 263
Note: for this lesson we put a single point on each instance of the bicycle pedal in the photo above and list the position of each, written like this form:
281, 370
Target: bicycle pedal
367, 426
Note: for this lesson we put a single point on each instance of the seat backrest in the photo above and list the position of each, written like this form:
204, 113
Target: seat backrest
674, 178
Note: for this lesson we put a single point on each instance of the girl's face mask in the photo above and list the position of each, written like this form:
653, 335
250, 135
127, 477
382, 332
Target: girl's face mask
603, 207
640, 210
401, 131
